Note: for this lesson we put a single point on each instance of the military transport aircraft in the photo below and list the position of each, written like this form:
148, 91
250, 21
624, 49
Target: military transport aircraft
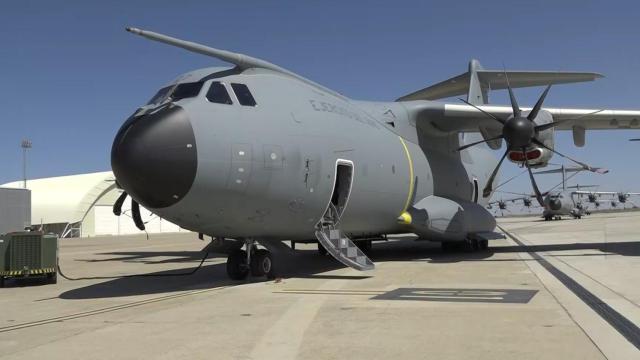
622, 197
255, 154
502, 204
563, 202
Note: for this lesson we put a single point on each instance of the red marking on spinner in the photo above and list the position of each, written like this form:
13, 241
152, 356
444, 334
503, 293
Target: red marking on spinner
531, 155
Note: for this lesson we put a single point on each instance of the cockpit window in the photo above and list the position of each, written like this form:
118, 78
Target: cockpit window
179, 92
186, 90
243, 94
161, 94
218, 94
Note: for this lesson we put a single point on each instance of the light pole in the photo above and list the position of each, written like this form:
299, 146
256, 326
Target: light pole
26, 144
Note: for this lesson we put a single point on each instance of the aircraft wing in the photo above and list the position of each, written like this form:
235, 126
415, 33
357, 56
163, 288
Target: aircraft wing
580, 192
465, 118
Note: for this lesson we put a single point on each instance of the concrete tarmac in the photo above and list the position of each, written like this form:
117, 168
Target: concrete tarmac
553, 290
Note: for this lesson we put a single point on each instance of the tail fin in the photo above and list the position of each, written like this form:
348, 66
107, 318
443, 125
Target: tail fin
477, 82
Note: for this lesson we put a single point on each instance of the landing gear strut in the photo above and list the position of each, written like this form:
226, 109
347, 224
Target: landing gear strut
258, 262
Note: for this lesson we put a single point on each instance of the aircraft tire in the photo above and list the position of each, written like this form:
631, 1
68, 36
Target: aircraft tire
471, 245
237, 268
483, 244
262, 263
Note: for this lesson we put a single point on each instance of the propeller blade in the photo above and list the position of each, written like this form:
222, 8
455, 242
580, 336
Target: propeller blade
117, 206
585, 166
135, 213
478, 142
533, 179
514, 103
482, 111
536, 108
489, 187
544, 127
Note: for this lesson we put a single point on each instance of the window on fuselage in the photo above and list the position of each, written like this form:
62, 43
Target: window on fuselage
186, 90
243, 94
218, 94
161, 94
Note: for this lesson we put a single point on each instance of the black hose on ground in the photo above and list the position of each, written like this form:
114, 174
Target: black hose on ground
191, 272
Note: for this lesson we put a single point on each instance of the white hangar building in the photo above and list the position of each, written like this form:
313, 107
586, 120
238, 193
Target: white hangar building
81, 205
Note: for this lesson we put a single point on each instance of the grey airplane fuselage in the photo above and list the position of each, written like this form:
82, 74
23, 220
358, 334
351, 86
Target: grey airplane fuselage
268, 170
561, 203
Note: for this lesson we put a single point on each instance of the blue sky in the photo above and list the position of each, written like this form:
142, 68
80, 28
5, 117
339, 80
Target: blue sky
71, 74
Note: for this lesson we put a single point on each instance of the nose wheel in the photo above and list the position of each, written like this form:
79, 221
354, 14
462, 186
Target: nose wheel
254, 261
237, 268
262, 264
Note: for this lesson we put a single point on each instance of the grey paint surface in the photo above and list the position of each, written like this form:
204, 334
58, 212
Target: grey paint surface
267, 172
15, 209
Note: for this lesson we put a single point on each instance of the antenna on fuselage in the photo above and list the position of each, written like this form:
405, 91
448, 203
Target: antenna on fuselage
240, 60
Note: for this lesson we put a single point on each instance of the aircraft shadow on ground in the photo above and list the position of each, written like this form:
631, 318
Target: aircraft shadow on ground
309, 264
145, 257
623, 248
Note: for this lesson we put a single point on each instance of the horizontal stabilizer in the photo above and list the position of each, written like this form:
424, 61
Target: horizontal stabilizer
496, 80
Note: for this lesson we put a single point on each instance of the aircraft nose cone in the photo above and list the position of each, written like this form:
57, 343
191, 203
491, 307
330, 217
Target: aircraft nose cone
154, 156
555, 204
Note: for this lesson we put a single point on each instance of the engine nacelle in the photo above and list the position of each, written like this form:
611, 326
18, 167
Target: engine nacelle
441, 219
537, 155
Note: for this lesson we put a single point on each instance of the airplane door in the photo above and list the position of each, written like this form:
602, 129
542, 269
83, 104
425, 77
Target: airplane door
343, 181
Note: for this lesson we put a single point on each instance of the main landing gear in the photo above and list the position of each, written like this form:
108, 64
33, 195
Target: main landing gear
258, 262
467, 245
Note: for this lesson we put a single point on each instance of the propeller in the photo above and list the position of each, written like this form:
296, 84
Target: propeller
135, 210
520, 133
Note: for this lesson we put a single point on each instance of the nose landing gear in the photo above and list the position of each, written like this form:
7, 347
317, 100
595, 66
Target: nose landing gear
258, 262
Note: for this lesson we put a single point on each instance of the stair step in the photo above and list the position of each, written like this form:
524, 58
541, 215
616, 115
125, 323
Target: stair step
343, 249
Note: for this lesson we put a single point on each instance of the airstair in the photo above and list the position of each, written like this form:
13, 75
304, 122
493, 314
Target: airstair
338, 244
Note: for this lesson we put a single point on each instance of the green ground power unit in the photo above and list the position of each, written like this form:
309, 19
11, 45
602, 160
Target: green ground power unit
28, 254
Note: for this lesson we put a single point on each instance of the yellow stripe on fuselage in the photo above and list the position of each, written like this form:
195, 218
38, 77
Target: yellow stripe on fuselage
411, 176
